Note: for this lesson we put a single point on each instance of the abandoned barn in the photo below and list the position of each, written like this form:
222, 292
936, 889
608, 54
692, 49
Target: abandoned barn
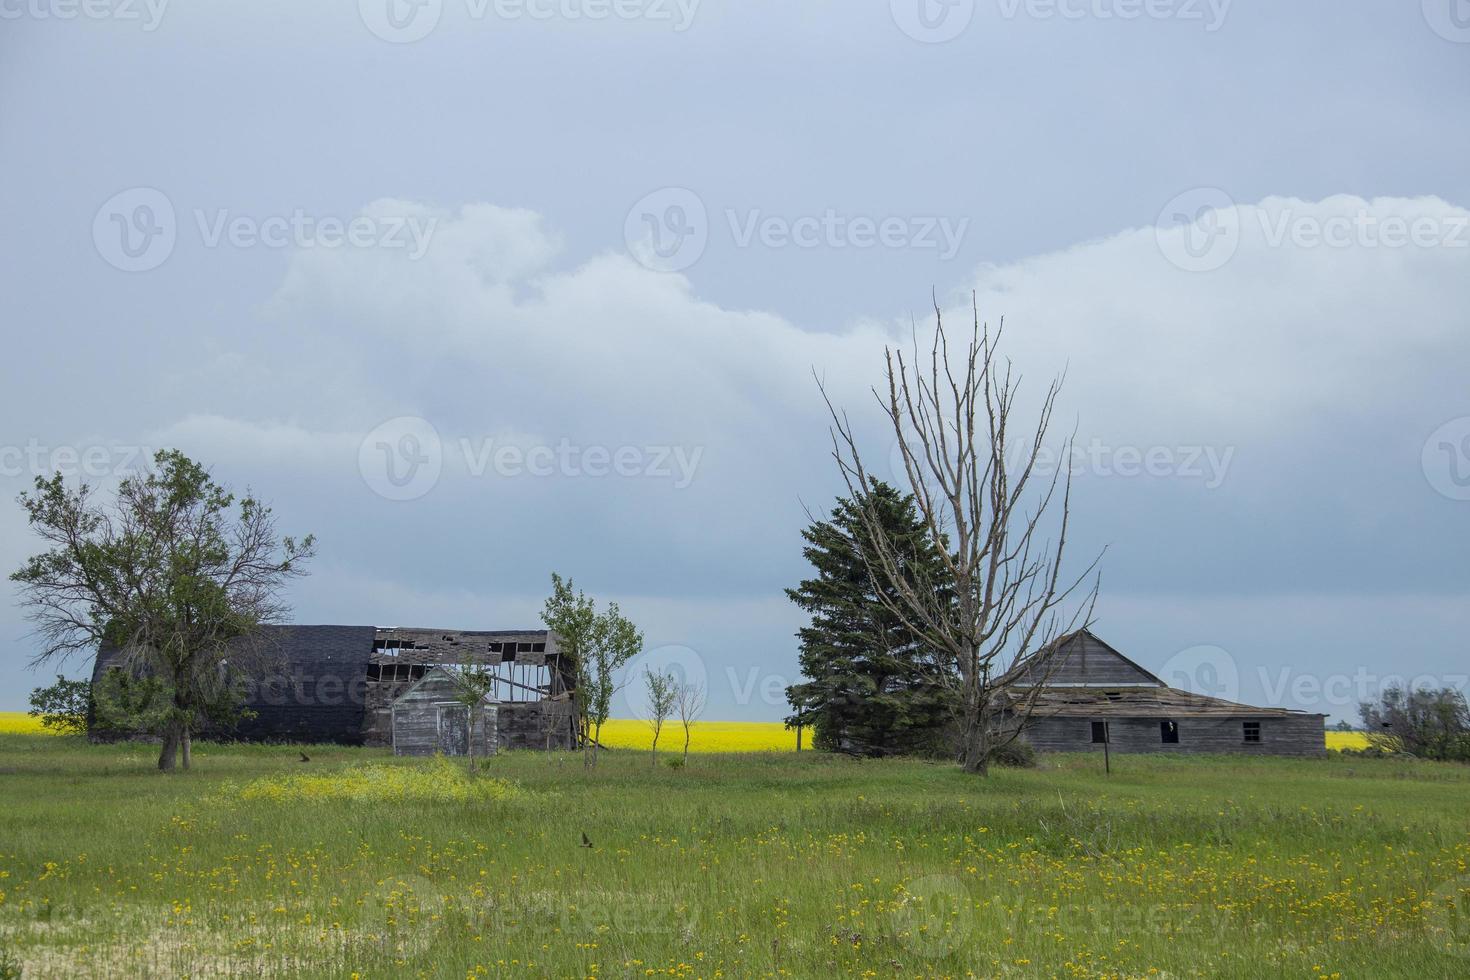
1088, 696
339, 683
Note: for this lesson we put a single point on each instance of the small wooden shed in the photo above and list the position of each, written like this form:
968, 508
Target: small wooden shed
430, 718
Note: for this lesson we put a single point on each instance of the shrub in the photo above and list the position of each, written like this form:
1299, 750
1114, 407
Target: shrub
62, 707
1015, 755
1428, 724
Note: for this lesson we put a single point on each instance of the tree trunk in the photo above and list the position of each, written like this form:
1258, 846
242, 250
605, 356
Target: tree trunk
470, 749
169, 753
686, 743
185, 749
976, 742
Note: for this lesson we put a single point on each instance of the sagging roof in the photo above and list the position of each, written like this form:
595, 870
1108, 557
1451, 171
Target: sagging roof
1080, 659
1144, 702
1083, 676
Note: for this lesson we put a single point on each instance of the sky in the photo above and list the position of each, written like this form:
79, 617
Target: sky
479, 290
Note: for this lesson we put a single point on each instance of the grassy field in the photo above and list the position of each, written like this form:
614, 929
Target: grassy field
355, 864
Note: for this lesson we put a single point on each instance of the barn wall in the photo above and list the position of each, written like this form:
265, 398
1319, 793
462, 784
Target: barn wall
535, 725
416, 729
1300, 735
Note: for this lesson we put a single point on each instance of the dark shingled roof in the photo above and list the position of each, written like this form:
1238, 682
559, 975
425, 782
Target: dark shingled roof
313, 690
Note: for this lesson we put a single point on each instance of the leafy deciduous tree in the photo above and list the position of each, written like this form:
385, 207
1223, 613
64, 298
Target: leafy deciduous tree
663, 694
176, 572
598, 645
62, 707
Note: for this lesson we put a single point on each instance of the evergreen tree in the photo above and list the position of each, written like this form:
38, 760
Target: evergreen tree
871, 688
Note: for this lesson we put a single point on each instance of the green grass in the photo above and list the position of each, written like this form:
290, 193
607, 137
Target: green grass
735, 866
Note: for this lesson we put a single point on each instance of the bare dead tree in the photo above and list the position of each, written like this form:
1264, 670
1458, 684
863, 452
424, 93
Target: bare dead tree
176, 573
997, 597
691, 702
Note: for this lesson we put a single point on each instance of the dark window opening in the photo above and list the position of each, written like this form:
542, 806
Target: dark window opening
1169, 732
496, 647
392, 646
396, 672
1099, 731
1252, 731
538, 647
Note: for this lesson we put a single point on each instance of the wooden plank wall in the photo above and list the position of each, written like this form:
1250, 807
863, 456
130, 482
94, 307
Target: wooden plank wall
1297, 735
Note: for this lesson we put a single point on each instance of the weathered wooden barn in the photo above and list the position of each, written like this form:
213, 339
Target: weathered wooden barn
339, 683
432, 716
1091, 695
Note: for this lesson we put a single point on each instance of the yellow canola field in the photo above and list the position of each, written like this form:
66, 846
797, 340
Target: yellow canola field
20, 723
705, 736
1347, 740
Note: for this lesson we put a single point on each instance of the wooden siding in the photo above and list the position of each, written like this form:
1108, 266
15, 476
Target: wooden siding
423, 718
1296, 735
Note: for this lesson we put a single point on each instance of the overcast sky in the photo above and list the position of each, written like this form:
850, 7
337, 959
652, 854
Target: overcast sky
476, 290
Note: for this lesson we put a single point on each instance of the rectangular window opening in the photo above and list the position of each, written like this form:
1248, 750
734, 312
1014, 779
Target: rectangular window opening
1169, 732
1252, 731
1099, 732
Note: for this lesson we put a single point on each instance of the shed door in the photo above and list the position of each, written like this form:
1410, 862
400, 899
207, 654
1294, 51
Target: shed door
454, 729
